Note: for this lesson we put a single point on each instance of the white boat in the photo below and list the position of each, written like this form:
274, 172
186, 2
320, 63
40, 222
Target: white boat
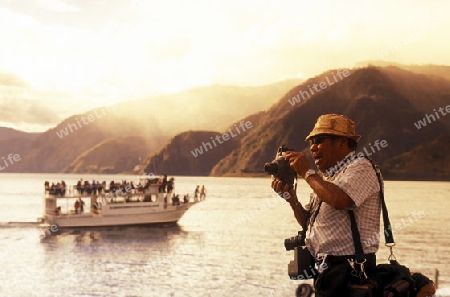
132, 206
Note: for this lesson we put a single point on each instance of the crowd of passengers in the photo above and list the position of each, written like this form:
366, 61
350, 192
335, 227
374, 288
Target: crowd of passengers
164, 185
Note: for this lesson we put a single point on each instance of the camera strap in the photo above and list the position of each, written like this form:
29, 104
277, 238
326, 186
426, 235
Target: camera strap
312, 217
388, 236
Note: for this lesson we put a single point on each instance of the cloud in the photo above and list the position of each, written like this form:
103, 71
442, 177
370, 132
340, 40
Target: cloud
26, 111
57, 6
21, 105
75, 55
11, 80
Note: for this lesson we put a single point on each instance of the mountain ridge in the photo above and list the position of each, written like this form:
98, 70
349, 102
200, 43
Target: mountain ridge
55, 149
385, 102
370, 96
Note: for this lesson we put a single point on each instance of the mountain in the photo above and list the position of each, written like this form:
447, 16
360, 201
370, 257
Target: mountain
442, 71
385, 103
10, 133
428, 161
368, 96
116, 155
205, 108
14, 142
196, 152
189, 153
68, 146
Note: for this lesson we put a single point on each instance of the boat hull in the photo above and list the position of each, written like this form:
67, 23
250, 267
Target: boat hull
170, 215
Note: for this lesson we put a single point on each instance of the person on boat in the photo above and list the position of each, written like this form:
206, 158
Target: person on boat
164, 184
343, 181
47, 187
81, 205
87, 187
170, 185
76, 206
63, 188
202, 193
94, 187
196, 193
112, 186
79, 187
176, 200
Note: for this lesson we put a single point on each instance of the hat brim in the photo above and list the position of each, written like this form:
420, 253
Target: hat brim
319, 131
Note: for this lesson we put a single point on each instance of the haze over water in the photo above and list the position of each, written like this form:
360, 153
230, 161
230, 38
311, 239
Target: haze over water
229, 245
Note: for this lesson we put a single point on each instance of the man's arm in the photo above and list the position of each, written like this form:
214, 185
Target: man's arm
300, 213
329, 192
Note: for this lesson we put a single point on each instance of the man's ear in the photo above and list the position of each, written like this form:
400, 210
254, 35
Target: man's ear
342, 143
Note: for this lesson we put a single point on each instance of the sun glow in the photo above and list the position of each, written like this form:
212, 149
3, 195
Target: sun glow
96, 55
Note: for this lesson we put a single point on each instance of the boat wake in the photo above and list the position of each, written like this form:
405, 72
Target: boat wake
4, 225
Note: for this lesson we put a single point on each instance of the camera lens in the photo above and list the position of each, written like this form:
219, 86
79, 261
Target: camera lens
291, 243
271, 168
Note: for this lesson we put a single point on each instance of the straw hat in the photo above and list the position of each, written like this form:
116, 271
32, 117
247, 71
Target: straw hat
334, 124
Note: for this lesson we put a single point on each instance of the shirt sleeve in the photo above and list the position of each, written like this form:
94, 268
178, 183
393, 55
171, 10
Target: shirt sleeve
359, 181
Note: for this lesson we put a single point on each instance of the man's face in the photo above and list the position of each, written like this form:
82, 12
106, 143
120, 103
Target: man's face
326, 151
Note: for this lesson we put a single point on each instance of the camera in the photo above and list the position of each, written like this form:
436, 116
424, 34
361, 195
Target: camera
295, 241
303, 265
280, 168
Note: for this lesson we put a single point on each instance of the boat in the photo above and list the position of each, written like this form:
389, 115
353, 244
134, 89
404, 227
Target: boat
120, 205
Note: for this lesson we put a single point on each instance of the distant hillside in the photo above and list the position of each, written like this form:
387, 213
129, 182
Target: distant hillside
196, 152
383, 106
9, 133
385, 102
189, 153
115, 155
205, 108
429, 161
211, 108
15, 142
428, 70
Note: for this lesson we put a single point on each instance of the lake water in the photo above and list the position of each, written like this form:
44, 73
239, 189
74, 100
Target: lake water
229, 245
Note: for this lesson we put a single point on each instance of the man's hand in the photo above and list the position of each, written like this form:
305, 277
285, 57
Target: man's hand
298, 162
283, 190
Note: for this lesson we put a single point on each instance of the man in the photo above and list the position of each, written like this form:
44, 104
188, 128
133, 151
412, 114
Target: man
344, 181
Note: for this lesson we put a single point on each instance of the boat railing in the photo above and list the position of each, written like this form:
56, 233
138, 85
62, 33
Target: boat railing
73, 191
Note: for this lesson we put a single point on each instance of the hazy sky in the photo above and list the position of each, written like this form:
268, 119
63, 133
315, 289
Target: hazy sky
61, 57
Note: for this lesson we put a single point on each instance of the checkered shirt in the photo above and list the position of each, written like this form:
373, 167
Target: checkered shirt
329, 232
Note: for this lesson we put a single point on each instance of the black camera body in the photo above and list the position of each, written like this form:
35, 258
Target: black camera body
303, 265
280, 168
